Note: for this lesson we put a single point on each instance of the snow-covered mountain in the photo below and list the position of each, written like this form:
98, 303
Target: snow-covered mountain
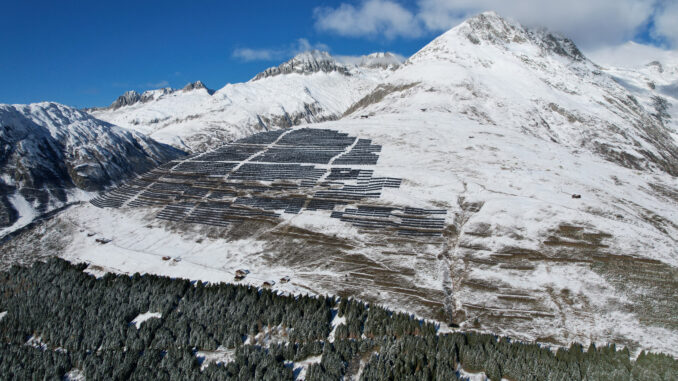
497, 72
51, 153
655, 85
311, 87
498, 180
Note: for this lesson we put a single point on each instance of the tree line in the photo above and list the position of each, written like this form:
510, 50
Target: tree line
86, 324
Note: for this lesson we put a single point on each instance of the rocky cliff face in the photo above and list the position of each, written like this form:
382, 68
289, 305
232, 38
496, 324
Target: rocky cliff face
48, 150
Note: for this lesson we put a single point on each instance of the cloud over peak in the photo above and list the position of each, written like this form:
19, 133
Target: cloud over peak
589, 23
370, 18
270, 54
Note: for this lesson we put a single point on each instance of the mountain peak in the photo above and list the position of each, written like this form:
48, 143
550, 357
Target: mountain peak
196, 86
491, 29
382, 60
128, 98
308, 62
132, 97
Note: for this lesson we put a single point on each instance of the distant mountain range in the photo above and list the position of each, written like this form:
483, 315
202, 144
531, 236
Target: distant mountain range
311, 87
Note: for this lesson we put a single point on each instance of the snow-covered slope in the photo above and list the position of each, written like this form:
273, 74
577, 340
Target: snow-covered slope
655, 85
497, 72
51, 153
310, 87
497, 181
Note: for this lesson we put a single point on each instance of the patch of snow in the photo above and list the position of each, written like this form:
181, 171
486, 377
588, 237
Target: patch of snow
221, 355
464, 375
36, 342
26, 211
300, 367
336, 321
75, 374
137, 321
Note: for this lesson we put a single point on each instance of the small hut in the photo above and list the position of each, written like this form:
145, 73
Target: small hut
285, 279
241, 273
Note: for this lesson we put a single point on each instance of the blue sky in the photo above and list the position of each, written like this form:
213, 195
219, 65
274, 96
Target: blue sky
87, 53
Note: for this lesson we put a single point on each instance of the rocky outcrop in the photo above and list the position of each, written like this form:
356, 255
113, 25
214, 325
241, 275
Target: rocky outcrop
132, 97
306, 63
197, 85
129, 98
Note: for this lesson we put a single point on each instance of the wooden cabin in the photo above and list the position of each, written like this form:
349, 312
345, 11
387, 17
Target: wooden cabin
166, 258
576, 196
268, 284
103, 241
285, 279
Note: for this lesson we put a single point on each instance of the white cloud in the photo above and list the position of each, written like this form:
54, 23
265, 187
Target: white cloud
356, 60
302, 45
590, 23
155, 85
247, 54
269, 54
666, 23
631, 55
370, 18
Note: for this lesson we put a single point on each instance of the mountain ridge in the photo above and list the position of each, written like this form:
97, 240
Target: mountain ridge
311, 87
49, 150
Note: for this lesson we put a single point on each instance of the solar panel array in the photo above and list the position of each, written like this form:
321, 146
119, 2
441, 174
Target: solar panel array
276, 172
406, 221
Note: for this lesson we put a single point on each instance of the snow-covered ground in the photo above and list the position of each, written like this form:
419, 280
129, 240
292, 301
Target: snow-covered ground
524, 186
221, 355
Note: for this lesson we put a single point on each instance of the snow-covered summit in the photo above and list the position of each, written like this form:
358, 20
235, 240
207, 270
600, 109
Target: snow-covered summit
381, 60
488, 29
308, 62
495, 71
